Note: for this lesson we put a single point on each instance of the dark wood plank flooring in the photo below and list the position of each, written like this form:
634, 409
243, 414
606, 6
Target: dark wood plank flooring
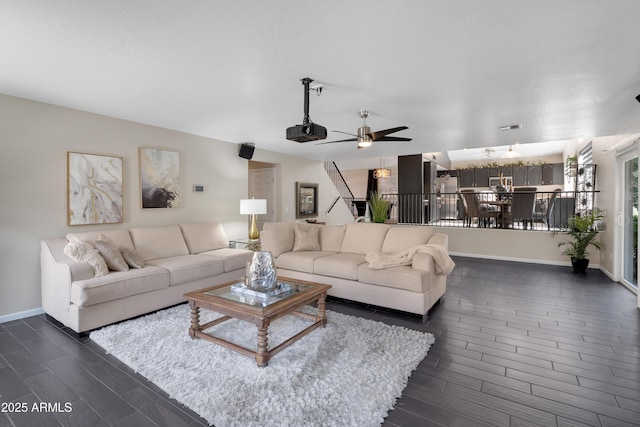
516, 345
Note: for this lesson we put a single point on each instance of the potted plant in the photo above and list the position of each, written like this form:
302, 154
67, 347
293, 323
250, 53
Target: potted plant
379, 207
582, 231
571, 166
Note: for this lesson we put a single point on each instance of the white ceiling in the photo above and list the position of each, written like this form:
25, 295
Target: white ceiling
453, 71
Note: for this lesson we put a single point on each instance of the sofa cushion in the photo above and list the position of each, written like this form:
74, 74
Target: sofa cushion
301, 261
83, 252
158, 242
331, 237
232, 259
120, 237
306, 237
403, 277
402, 237
110, 253
277, 237
131, 257
204, 237
189, 268
118, 285
363, 237
343, 265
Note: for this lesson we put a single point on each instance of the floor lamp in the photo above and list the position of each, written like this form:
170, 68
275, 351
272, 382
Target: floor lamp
253, 207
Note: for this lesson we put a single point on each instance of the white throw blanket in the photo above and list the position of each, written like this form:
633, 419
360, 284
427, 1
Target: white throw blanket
443, 262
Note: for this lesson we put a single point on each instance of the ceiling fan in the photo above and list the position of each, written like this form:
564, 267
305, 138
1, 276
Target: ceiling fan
365, 137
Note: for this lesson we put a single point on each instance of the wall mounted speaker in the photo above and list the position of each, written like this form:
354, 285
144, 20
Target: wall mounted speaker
246, 151
638, 98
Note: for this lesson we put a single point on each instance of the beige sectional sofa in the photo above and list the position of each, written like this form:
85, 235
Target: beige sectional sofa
177, 259
336, 255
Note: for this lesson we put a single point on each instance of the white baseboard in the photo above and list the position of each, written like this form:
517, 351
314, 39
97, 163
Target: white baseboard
21, 315
609, 274
527, 260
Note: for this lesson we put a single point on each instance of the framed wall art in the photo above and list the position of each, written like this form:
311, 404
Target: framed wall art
94, 189
306, 200
159, 178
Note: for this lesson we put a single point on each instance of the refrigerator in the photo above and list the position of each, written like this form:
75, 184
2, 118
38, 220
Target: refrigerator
447, 187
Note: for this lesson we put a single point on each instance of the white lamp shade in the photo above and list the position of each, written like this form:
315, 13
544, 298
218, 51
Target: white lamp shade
253, 206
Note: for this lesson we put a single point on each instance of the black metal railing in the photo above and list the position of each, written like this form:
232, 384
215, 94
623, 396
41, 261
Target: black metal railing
519, 209
341, 185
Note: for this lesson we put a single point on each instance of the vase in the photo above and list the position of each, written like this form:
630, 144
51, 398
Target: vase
367, 213
262, 272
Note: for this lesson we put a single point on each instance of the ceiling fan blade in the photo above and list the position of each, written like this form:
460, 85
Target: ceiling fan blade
381, 133
393, 138
342, 140
346, 133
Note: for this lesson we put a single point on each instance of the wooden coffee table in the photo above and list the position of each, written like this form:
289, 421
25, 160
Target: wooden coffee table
261, 312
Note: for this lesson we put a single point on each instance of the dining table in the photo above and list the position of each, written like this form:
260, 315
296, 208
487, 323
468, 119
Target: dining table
504, 205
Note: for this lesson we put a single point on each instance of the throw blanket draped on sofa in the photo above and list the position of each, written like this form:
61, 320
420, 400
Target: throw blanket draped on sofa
443, 262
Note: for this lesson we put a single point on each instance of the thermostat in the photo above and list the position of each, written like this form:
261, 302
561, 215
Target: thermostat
198, 188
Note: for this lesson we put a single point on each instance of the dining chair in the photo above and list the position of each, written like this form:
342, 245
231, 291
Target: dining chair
463, 211
522, 205
476, 210
550, 207
470, 210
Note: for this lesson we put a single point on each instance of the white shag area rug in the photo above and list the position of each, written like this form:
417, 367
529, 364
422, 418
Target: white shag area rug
349, 373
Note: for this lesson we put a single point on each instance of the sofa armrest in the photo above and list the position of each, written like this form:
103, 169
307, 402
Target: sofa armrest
423, 261
55, 279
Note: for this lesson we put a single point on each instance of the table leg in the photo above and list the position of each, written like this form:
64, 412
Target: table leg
262, 356
195, 320
322, 314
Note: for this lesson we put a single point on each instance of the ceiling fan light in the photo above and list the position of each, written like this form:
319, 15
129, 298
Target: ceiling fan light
511, 154
364, 142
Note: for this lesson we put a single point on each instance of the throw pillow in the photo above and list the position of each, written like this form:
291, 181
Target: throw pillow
83, 252
132, 257
111, 253
306, 237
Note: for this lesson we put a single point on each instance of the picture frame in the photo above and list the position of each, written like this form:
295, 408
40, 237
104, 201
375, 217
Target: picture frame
159, 178
306, 200
94, 189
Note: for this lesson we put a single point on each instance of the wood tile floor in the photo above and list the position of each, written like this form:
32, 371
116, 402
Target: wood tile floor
517, 345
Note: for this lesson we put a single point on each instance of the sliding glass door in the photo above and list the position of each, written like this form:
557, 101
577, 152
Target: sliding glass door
629, 221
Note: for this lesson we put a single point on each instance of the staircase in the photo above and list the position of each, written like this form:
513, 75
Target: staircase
341, 185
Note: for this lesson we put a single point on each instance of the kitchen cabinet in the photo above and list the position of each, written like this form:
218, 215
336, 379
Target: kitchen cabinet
534, 175
553, 174
523, 175
481, 177
506, 171
467, 177
519, 176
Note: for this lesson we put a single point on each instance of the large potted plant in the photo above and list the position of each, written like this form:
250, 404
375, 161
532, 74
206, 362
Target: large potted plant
379, 207
582, 231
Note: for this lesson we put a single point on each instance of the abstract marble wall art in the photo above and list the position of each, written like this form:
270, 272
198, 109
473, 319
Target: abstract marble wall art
94, 189
159, 178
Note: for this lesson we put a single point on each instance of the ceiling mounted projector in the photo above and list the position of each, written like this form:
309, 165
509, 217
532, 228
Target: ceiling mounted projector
307, 131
